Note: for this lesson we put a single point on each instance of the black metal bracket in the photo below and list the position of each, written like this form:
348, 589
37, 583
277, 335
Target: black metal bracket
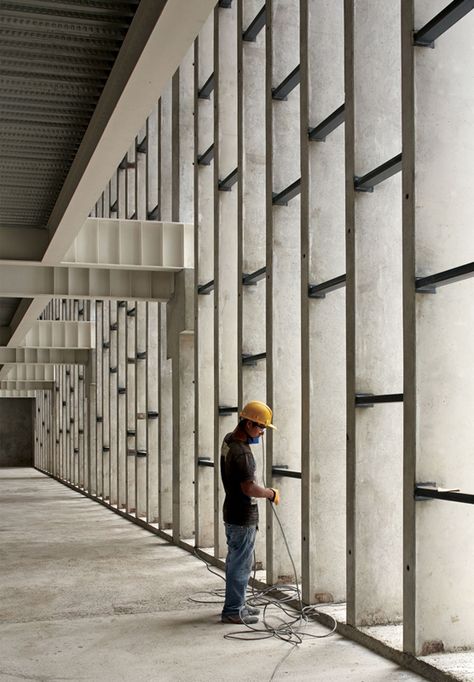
228, 182
152, 414
225, 4
443, 21
207, 88
333, 121
428, 285
320, 290
105, 448
427, 491
283, 471
131, 361
248, 359
206, 158
142, 147
154, 214
114, 207
114, 327
125, 164
282, 91
369, 400
226, 411
205, 289
251, 32
366, 183
142, 453
122, 304
99, 420
250, 279
131, 312
106, 345
121, 390
131, 433
205, 462
113, 370
141, 355
282, 198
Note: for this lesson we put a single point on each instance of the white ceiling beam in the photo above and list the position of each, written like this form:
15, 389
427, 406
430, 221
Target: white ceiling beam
132, 244
29, 373
60, 334
18, 281
43, 356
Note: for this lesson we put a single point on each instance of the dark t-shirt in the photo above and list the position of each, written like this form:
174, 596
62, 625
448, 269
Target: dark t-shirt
237, 466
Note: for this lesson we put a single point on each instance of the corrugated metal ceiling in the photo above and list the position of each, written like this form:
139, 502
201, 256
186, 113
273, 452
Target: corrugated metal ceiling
55, 58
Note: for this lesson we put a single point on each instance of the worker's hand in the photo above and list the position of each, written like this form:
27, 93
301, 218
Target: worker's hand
276, 496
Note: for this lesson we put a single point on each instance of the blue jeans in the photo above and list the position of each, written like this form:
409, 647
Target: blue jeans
238, 566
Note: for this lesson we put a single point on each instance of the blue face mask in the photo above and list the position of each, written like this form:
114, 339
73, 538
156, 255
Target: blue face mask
253, 441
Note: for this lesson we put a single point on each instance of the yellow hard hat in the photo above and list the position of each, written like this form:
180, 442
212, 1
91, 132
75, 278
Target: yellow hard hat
258, 412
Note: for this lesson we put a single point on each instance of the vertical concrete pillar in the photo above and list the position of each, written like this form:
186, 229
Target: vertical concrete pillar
152, 412
204, 304
81, 427
323, 413
99, 400
141, 454
131, 408
283, 286
113, 397
141, 182
438, 146
165, 487
374, 354
122, 404
251, 230
105, 353
225, 245
152, 160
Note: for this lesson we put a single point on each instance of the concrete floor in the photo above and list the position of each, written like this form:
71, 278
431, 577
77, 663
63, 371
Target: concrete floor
86, 595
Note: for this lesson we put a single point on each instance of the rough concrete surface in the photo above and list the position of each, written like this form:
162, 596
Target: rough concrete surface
86, 595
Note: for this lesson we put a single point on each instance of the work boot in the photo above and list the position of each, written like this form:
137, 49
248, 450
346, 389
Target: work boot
250, 611
235, 619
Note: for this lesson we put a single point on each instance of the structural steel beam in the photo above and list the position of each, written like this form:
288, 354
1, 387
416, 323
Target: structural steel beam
443, 21
43, 356
132, 244
62, 282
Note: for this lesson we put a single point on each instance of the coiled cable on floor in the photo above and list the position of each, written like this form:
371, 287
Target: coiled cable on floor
290, 620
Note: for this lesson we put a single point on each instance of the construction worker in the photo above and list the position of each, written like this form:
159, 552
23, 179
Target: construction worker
240, 508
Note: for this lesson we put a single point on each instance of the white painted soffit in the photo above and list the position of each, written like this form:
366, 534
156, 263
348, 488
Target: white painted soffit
135, 84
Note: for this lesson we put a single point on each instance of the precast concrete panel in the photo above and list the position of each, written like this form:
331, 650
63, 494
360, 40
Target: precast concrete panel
141, 454
131, 407
204, 303
225, 244
99, 401
323, 322
251, 230
165, 477
104, 350
113, 397
439, 142
283, 286
165, 153
374, 280
152, 445
122, 466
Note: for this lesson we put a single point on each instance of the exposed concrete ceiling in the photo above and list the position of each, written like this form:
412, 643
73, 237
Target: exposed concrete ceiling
77, 80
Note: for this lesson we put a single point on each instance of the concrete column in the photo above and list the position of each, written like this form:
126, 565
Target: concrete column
113, 397
131, 202
131, 408
323, 319
153, 412
152, 160
225, 245
438, 146
204, 304
81, 427
251, 229
122, 404
141, 174
165, 494
99, 400
165, 154
141, 478
374, 332
105, 351
283, 287
90, 387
